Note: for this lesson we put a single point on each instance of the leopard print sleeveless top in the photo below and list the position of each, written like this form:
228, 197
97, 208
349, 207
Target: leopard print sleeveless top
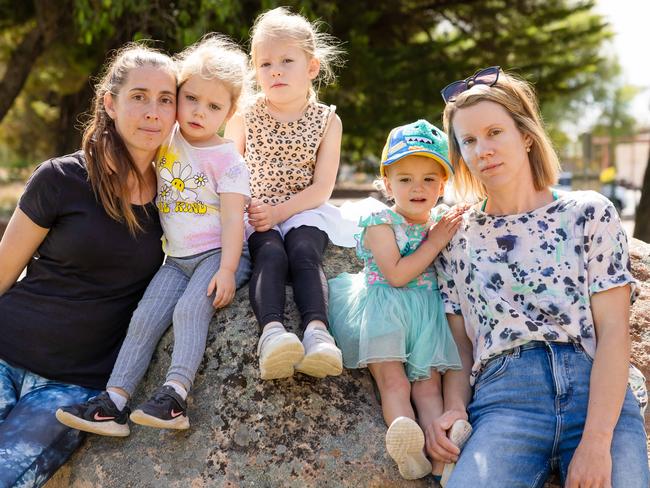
281, 156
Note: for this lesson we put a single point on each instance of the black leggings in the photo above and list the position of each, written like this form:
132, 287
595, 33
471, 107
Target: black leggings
299, 258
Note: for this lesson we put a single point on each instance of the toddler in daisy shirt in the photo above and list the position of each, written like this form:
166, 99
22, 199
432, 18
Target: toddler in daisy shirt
203, 188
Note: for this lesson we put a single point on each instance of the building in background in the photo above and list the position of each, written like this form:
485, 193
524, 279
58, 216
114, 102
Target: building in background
630, 156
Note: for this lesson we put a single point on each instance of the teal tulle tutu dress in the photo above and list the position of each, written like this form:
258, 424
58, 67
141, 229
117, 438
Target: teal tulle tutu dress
374, 322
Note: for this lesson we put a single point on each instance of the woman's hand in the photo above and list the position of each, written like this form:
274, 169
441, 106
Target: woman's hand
438, 445
262, 216
223, 282
591, 465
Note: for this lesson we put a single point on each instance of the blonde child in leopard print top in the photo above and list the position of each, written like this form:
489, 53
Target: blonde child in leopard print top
291, 144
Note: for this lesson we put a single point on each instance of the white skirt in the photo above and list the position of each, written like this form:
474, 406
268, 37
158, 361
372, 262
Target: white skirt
340, 224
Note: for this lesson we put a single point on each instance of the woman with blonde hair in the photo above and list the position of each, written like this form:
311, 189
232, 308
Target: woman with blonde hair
537, 289
91, 220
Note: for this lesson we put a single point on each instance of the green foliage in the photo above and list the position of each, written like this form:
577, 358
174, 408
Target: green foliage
615, 119
13, 13
399, 54
405, 52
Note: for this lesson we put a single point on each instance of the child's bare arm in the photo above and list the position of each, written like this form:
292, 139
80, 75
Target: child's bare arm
235, 131
232, 241
398, 270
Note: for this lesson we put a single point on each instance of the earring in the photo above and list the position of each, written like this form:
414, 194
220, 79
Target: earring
528, 149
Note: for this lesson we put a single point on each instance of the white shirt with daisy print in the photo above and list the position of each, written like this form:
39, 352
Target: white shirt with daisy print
190, 180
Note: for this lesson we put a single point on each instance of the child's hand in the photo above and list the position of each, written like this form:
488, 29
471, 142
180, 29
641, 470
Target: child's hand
223, 282
262, 216
442, 231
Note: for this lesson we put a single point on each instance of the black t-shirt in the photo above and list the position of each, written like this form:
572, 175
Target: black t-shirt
67, 318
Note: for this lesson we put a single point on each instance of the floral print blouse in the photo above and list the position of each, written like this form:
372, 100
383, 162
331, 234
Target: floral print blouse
529, 277
408, 238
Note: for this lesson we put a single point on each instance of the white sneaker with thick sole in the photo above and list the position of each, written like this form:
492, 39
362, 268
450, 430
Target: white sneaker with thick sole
279, 351
322, 357
459, 434
405, 444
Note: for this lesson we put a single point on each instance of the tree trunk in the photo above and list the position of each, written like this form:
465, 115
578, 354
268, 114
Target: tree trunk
642, 221
18, 68
70, 126
50, 20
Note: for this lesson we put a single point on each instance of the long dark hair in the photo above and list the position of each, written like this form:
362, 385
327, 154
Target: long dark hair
108, 160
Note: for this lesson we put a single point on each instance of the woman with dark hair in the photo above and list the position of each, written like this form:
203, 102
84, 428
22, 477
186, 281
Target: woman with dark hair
537, 288
87, 229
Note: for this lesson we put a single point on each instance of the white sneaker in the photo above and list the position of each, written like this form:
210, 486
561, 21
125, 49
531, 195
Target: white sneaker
279, 351
405, 444
322, 357
459, 434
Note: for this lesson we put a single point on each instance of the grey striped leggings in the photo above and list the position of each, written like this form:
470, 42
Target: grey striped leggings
176, 293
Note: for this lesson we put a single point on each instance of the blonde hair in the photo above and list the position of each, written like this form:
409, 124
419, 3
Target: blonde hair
108, 160
518, 98
216, 57
280, 23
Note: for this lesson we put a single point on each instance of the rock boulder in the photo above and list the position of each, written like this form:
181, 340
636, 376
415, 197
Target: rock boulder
292, 433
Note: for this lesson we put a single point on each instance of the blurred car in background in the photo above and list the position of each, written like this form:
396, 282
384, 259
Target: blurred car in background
565, 181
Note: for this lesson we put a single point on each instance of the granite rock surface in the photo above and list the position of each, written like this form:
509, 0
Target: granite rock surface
298, 432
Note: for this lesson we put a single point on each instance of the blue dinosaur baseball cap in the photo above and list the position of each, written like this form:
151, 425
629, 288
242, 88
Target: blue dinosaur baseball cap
419, 138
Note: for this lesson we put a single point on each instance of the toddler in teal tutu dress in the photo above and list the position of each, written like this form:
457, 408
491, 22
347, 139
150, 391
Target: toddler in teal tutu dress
390, 317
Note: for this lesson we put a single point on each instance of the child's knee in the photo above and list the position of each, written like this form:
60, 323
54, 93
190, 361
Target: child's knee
430, 386
393, 384
192, 314
304, 250
271, 254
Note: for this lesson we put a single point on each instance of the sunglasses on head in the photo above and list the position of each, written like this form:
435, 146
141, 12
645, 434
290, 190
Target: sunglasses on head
485, 76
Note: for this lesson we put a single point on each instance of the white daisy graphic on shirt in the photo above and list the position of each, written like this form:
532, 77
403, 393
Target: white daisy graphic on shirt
181, 181
201, 179
165, 193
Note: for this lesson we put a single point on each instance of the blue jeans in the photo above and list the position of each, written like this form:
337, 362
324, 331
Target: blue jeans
33, 444
528, 413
